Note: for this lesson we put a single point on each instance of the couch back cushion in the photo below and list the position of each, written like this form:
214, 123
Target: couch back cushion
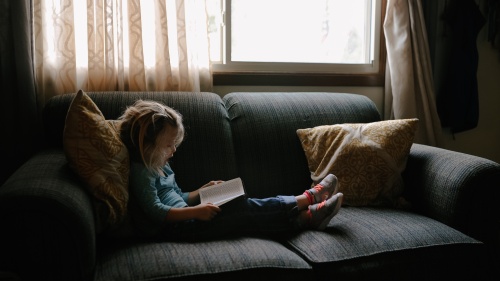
207, 152
271, 160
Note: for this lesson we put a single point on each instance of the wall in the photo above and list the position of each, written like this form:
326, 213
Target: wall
483, 141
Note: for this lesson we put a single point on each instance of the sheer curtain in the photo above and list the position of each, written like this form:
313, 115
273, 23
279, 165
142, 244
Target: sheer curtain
97, 45
409, 88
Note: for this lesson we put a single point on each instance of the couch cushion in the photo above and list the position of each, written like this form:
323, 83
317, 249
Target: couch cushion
377, 238
269, 154
367, 158
217, 260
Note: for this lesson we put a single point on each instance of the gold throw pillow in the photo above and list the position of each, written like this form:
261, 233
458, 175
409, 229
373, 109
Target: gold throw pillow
367, 158
96, 153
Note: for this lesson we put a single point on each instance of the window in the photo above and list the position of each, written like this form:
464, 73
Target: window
296, 41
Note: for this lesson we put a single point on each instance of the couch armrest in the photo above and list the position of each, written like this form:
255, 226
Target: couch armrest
47, 221
457, 189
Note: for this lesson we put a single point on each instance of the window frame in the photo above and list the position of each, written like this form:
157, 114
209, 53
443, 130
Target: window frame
284, 78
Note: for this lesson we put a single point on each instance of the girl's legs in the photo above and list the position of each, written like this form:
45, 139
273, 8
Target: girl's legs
241, 216
269, 215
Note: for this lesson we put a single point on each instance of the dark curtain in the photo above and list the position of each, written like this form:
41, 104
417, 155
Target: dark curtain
452, 28
492, 8
20, 118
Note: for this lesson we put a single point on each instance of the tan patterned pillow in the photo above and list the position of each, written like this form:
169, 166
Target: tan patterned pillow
366, 158
96, 153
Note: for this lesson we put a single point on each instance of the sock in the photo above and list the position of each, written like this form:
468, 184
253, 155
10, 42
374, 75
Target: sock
309, 196
322, 191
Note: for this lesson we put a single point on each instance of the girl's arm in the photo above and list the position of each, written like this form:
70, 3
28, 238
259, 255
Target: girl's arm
194, 198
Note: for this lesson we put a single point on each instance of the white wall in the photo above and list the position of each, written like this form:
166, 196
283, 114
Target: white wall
483, 141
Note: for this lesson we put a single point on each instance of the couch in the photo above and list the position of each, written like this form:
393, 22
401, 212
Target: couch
50, 229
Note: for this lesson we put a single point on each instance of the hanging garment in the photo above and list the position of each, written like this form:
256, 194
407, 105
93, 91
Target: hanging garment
457, 100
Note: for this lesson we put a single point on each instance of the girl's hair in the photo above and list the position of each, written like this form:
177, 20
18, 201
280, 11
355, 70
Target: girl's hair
142, 123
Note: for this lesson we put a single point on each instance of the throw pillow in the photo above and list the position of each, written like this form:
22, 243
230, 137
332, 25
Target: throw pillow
367, 158
96, 153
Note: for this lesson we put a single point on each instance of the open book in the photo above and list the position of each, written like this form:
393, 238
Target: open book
223, 192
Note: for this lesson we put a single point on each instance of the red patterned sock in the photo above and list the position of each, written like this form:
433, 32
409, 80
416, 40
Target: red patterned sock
309, 196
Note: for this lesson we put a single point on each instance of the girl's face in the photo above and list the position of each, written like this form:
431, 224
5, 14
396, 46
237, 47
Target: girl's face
167, 144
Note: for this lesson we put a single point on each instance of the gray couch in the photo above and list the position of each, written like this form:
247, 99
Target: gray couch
49, 232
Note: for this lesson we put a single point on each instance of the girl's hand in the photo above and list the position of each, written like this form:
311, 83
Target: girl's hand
194, 196
212, 183
206, 212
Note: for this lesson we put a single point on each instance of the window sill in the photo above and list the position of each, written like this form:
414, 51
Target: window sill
296, 79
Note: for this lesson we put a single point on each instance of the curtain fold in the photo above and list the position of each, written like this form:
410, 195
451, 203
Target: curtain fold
146, 45
19, 116
409, 90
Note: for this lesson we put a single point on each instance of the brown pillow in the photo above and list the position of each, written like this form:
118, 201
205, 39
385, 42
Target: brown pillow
366, 158
96, 153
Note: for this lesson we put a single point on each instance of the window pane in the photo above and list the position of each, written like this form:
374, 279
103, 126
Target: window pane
214, 12
301, 31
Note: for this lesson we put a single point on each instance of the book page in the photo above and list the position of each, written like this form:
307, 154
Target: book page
223, 192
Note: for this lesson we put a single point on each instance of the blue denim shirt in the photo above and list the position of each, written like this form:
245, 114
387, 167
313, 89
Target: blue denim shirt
154, 194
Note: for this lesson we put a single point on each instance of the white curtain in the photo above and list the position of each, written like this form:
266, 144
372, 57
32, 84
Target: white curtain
143, 45
409, 88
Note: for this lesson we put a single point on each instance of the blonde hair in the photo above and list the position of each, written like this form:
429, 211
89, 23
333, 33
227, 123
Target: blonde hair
142, 123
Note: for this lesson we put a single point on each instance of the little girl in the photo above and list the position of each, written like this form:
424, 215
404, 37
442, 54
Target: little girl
152, 132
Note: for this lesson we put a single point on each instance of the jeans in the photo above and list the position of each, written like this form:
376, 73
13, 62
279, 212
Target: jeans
242, 216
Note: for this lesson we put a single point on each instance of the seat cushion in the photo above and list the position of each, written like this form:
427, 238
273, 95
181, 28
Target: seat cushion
223, 260
387, 241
